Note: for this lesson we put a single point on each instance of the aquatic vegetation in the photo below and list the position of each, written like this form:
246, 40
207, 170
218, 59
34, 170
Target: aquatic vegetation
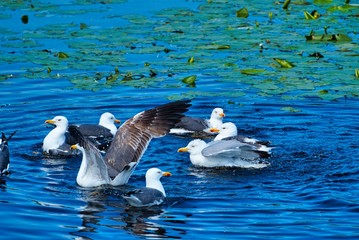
242, 13
311, 16
210, 41
190, 80
284, 63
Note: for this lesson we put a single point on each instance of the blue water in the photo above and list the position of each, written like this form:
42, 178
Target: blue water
309, 192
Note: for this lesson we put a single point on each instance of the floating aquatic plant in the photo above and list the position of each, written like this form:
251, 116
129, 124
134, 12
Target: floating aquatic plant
211, 40
286, 4
311, 16
291, 109
252, 71
242, 13
63, 55
190, 80
284, 63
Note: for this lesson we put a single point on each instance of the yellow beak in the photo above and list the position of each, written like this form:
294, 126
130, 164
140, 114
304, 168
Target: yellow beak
73, 147
214, 130
50, 121
222, 115
184, 149
117, 121
166, 174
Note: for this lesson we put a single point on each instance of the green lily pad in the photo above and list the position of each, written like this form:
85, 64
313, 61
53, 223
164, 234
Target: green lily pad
252, 71
343, 8
214, 47
291, 109
190, 80
327, 95
63, 55
242, 13
284, 63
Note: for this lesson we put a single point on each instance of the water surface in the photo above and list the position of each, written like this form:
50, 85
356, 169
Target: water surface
308, 112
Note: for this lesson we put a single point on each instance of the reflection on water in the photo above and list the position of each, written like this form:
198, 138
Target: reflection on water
90, 215
2, 183
137, 221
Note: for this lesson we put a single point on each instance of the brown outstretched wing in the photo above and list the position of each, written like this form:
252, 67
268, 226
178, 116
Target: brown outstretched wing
133, 137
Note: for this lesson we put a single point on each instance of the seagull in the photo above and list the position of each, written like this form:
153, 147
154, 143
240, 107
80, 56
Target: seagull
58, 140
228, 131
199, 126
225, 153
102, 133
152, 194
128, 146
108, 120
5, 154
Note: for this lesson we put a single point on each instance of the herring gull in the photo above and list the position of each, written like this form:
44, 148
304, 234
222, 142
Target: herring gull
58, 140
152, 194
228, 131
199, 126
128, 146
101, 133
225, 153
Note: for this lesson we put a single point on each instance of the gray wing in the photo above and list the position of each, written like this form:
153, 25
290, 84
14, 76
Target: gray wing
147, 196
99, 135
231, 149
93, 154
192, 124
132, 138
94, 130
241, 138
62, 151
83, 141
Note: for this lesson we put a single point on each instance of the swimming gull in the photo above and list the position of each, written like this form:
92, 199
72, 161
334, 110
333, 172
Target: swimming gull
108, 120
199, 126
128, 146
5, 154
228, 131
101, 133
58, 140
225, 153
152, 194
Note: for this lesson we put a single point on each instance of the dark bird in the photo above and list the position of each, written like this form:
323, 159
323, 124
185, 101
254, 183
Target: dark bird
5, 154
